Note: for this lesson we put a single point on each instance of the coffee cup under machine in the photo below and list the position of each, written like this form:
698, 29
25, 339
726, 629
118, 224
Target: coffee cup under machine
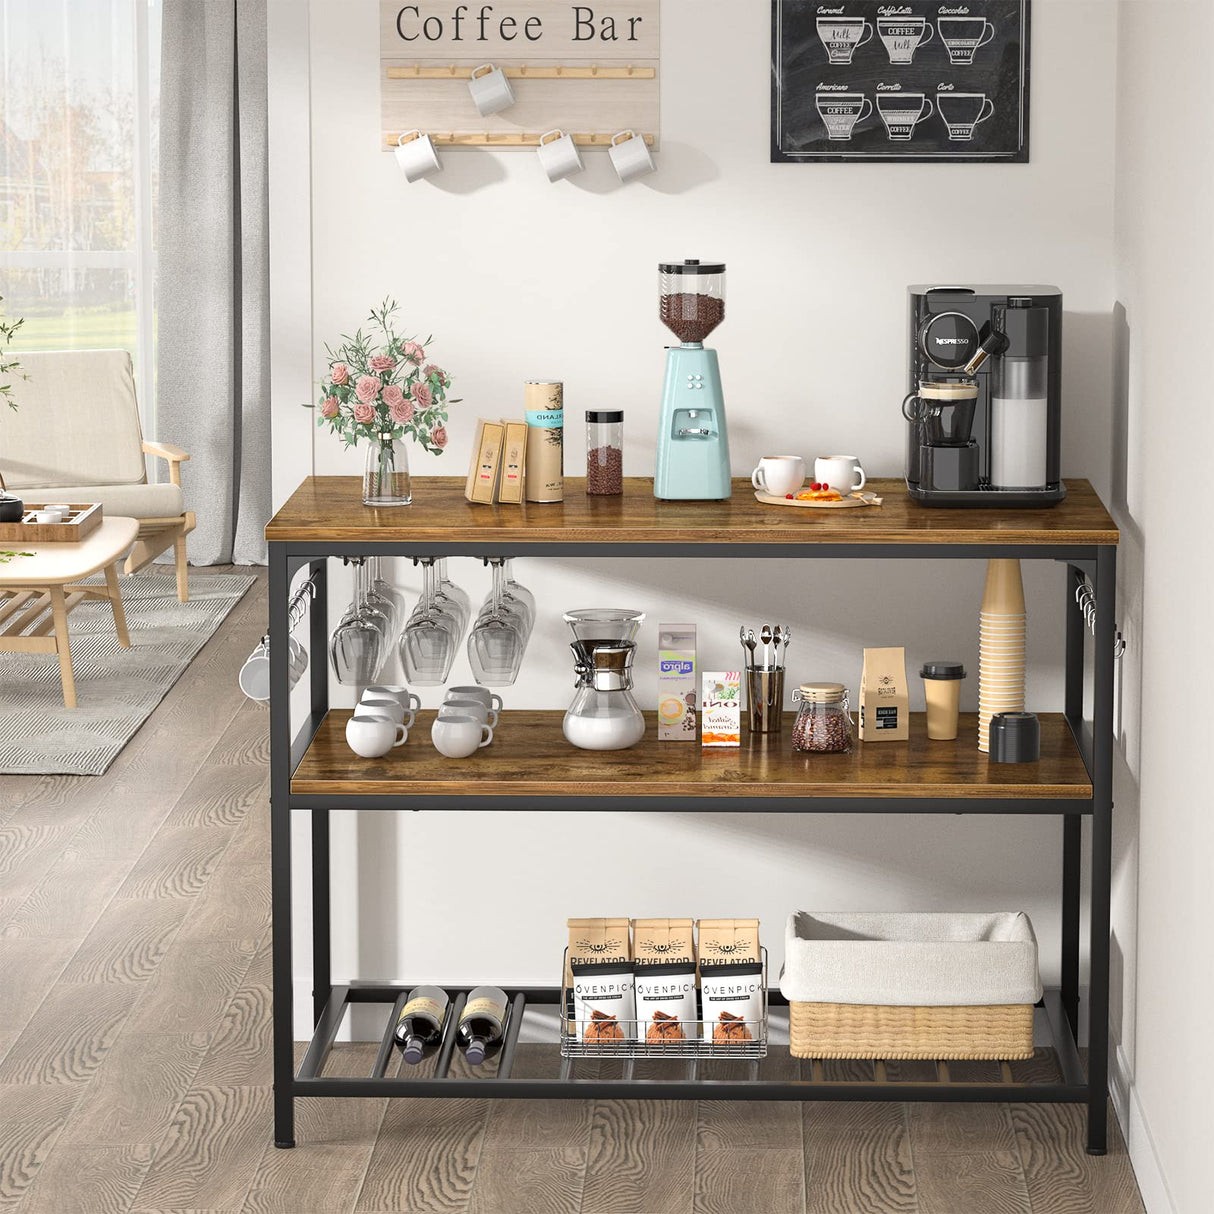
984, 414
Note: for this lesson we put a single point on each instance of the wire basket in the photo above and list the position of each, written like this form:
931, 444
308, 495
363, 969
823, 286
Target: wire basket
701, 1038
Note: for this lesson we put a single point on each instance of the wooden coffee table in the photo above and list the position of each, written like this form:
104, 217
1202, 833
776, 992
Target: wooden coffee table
49, 577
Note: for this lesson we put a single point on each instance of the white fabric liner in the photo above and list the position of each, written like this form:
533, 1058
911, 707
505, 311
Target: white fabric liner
911, 959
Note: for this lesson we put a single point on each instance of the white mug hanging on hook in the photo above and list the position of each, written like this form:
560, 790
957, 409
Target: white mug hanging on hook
630, 155
416, 155
491, 91
559, 155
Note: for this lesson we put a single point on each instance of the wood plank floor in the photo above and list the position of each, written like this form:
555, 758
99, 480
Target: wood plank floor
134, 1044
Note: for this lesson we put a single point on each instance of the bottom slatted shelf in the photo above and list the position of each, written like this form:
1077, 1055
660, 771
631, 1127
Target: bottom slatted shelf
535, 1069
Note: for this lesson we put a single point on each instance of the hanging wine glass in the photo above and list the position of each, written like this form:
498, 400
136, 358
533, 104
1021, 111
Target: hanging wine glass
498, 638
356, 648
457, 597
390, 599
429, 641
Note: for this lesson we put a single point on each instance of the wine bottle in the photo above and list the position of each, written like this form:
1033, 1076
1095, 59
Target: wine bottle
482, 1022
421, 1021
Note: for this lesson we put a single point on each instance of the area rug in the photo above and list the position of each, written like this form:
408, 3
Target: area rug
116, 688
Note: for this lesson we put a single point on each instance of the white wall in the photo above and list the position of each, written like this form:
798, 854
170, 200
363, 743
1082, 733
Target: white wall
1165, 260
518, 279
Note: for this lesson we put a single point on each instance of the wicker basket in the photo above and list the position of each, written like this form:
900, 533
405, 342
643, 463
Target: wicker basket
870, 1030
911, 985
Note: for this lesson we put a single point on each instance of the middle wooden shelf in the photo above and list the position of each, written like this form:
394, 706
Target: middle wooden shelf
530, 765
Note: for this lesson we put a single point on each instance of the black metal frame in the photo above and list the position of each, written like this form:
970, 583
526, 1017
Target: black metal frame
1096, 563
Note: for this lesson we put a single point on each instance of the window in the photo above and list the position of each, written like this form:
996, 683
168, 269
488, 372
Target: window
78, 104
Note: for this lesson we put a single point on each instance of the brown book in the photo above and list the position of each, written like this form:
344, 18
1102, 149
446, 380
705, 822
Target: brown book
486, 461
514, 458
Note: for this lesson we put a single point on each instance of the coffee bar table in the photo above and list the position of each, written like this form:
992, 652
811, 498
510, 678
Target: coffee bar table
49, 577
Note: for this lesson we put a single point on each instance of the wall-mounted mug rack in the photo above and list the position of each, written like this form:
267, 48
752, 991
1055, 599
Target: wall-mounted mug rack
420, 71
503, 139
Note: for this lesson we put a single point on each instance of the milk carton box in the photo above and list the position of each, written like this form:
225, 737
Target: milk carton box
676, 682
722, 703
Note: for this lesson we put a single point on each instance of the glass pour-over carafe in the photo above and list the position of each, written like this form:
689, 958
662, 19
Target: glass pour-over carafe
604, 715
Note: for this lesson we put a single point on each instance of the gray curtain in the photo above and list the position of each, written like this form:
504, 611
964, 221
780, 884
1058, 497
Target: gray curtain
212, 289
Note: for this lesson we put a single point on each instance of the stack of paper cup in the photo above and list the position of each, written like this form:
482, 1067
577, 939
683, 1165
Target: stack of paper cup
1001, 646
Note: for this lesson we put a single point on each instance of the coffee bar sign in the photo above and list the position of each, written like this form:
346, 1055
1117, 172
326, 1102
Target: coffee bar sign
589, 69
857, 80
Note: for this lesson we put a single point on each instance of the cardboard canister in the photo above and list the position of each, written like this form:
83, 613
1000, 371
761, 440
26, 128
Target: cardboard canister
544, 466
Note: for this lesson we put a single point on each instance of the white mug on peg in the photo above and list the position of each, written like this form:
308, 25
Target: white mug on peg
559, 155
459, 736
475, 691
371, 736
254, 675
491, 91
842, 472
416, 155
779, 475
630, 155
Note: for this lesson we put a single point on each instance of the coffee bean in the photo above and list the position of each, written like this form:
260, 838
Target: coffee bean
823, 728
605, 470
690, 315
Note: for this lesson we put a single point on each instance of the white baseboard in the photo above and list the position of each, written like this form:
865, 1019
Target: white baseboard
1139, 1141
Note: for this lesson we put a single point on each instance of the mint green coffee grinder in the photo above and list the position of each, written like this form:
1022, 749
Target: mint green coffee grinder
693, 446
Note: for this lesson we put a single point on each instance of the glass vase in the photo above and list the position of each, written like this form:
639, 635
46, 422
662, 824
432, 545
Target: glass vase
386, 473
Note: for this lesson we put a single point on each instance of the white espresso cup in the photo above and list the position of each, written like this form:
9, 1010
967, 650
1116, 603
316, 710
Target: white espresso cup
559, 155
458, 736
416, 155
490, 699
468, 708
370, 735
387, 708
393, 691
842, 472
491, 91
630, 155
779, 475
47, 515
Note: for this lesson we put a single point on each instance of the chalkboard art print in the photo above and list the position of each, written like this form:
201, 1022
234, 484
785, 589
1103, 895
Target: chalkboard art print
860, 80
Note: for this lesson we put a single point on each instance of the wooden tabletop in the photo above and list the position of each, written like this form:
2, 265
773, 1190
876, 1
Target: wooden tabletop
529, 758
329, 508
56, 564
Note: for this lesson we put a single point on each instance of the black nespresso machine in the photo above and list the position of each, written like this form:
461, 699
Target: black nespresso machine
984, 414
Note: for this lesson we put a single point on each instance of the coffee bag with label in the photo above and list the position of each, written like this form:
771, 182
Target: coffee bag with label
884, 697
731, 979
601, 947
665, 980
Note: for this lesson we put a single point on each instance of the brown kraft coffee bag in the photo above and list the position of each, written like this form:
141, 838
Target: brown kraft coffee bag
731, 979
884, 697
594, 943
664, 968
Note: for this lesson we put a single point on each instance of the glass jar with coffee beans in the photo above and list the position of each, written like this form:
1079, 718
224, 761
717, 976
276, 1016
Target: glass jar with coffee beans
823, 723
605, 451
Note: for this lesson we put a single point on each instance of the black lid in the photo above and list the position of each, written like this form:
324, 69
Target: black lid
691, 266
942, 670
604, 415
1015, 737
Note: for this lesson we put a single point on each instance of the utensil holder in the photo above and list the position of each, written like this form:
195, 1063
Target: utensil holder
765, 699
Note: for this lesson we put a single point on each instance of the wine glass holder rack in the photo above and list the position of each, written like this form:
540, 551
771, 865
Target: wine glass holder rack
312, 773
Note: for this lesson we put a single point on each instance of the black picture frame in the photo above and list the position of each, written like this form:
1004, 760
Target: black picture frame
858, 51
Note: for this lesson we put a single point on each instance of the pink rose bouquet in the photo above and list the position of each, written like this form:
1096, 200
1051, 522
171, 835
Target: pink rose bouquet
381, 388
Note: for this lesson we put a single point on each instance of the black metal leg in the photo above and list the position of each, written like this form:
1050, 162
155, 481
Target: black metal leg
318, 637
322, 979
1102, 848
280, 848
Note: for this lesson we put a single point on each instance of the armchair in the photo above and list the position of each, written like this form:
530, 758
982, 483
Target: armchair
76, 437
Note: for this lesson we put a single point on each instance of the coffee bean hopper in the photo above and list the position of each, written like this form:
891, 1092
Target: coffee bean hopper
693, 445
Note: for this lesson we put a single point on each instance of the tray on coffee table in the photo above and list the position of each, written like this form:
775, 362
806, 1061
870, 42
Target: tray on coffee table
82, 519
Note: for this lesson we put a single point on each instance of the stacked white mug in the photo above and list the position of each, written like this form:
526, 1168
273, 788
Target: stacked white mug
1001, 646
466, 721
382, 720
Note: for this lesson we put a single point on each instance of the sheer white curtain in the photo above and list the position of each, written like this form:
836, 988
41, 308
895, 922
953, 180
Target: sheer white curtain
78, 102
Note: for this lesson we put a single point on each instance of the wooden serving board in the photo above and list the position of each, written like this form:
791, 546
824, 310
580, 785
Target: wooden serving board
862, 499
83, 518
